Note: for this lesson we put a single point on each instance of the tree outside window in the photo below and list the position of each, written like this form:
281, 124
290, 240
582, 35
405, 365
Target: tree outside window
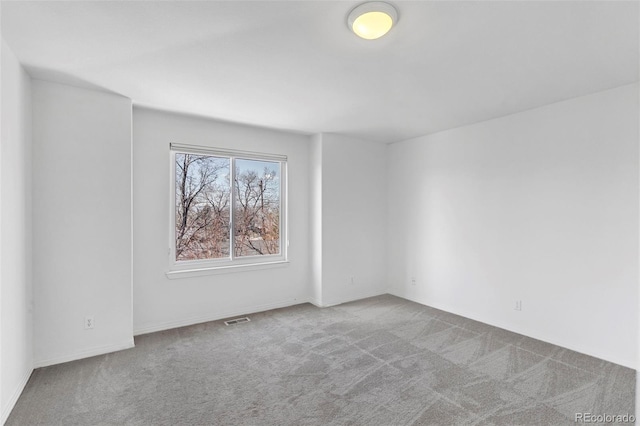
226, 207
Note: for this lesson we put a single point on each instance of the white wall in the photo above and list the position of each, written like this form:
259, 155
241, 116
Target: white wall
160, 302
540, 206
349, 219
81, 222
16, 342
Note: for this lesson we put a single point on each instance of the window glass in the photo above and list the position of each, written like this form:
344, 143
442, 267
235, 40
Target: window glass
257, 208
202, 207
228, 208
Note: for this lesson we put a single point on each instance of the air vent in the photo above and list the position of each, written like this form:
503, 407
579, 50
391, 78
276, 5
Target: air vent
237, 321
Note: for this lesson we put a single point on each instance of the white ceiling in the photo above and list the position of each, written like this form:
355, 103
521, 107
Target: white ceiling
295, 65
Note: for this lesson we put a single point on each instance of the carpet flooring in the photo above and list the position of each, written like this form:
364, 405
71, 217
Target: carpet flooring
377, 361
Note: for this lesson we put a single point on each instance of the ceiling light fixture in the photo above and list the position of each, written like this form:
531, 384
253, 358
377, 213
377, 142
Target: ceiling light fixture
372, 20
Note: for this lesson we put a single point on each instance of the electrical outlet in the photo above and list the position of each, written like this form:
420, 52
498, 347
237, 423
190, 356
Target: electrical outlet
413, 280
518, 305
89, 323
353, 281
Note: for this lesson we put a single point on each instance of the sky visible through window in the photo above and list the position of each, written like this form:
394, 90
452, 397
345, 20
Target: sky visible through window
204, 193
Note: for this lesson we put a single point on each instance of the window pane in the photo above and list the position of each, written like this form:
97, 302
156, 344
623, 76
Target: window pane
202, 207
257, 208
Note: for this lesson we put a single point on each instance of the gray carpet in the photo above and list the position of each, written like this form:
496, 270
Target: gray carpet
378, 361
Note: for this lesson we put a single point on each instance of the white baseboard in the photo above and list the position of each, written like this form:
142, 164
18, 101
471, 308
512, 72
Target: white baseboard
509, 327
315, 302
6, 410
99, 350
353, 296
214, 316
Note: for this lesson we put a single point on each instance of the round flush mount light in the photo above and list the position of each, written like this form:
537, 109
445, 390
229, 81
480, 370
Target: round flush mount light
372, 20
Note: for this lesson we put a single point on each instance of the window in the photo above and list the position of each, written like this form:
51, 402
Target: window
228, 208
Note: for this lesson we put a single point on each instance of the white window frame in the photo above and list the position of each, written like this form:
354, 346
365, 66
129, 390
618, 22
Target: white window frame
206, 266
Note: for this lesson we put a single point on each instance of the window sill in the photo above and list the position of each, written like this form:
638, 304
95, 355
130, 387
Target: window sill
215, 270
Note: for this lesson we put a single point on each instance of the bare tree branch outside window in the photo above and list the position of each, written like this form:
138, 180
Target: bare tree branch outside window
257, 209
202, 207
203, 190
